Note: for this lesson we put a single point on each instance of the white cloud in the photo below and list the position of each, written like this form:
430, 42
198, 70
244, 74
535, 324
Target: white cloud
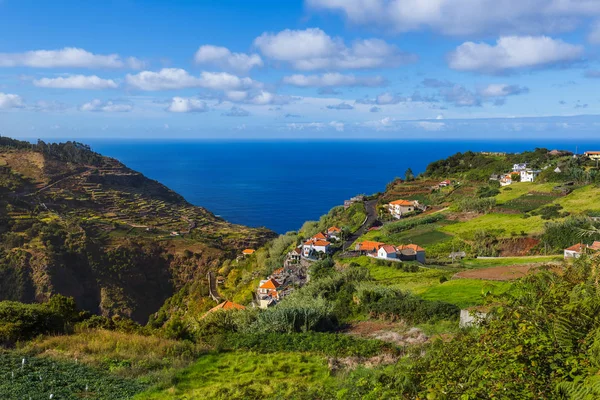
236, 95
222, 57
300, 126
466, 17
76, 82
431, 126
8, 100
236, 112
594, 35
383, 124
186, 105
69, 57
100, 106
333, 79
176, 78
313, 49
263, 98
512, 52
502, 90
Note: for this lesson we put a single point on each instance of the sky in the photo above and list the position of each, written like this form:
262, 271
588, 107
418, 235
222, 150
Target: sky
399, 69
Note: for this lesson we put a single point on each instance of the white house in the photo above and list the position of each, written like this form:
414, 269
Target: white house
334, 232
319, 246
400, 207
387, 251
575, 251
506, 180
529, 175
520, 167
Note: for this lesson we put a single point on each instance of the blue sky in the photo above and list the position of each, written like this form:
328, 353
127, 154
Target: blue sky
300, 69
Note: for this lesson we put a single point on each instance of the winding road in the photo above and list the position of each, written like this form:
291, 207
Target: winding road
371, 217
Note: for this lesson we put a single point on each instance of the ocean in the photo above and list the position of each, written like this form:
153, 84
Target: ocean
282, 184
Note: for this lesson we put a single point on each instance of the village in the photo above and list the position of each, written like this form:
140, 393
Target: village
294, 272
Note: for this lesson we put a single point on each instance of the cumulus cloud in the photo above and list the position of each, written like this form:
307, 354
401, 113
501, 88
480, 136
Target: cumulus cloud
513, 52
465, 17
236, 112
97, 105
8, 100
264, 97
69, 57
76, 82
176, 78
431, 126
313, 49
341, 106
383, 124
333, 79
222, 57
186, 105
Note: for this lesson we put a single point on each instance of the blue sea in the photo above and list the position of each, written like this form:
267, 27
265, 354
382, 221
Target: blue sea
282, 184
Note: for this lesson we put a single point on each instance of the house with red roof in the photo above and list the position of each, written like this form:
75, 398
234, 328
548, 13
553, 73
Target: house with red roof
315, 246
225, 306
399, 208
386, 252
593, 155
445, 183
269, 288
334, 233
411, 252
369, 246
575, 251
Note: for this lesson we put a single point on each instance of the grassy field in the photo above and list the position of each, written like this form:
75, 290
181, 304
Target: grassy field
504, 224
582, 199
497, 262
462, 292
148, 358
248, 375
519, 189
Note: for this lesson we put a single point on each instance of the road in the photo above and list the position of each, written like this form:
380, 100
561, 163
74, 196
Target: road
371, 217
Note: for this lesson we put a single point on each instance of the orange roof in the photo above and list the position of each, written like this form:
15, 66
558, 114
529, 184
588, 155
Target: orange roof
388, 248
410, 247
319, 236
592, 152
579, 247
227, 305
370, 246
595, 245
248, 251
402, 203
270, 284
321, 243
278, 271
334, 229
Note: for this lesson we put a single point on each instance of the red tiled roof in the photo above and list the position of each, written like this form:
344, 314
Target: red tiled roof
270, 284
227, 305
334, 229
410, 247
321, 243
248, 251
370, 246
402, 203
579, 247
319, 236
595, 246
388, 248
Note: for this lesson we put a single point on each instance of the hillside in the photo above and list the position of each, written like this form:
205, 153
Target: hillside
83, 225
359, 325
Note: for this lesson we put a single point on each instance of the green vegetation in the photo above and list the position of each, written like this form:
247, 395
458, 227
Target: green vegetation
504, 224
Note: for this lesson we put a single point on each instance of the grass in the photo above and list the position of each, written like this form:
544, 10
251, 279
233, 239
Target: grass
149, 358
475, 263
529, 202
504, 224
519, 189
463, 292
248, 375
582, 199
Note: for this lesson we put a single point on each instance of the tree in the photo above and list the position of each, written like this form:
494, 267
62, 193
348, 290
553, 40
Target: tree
409, 175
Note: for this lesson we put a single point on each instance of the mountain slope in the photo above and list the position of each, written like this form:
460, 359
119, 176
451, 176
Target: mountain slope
77, 223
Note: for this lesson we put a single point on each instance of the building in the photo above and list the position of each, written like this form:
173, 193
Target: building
296, 254
593, 155
319, 236
318, 246
248, 252
334, 233
529, 175
411, 252
356, 199
269, 288
575, 251
445, 183
225, 306
399, 208
369, 247
519, 167
387, 251
557, 170
506, 180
